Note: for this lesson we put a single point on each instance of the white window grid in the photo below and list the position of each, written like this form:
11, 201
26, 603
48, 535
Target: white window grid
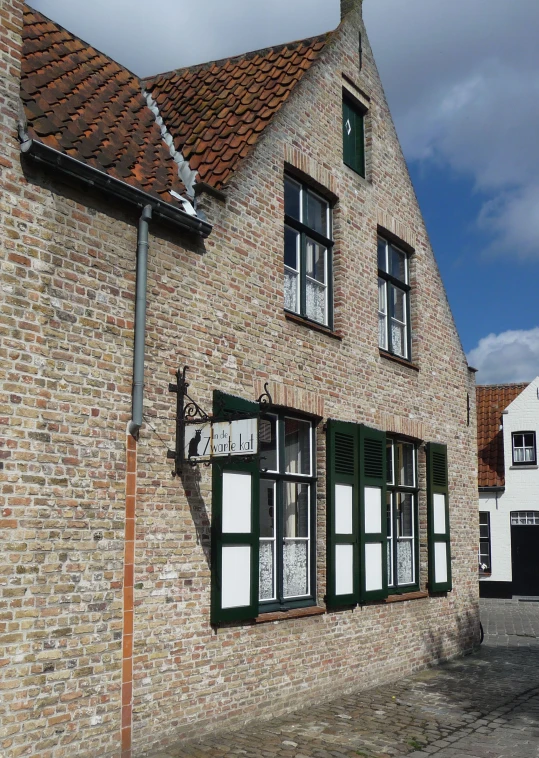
525, 518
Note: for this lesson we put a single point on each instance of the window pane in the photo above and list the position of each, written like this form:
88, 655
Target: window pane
292, 198
291, 248
296, 510
382, 246
405, 564
406, 518
267, 443
382, 296
267, 508
519, 455
266, 581
266, 590
398, 298
389, 459
317, 211
405, 464
529, 454
528, 440
398, 264
382, 332
483, 531
316, 261
295, 568
398, 338
297, 446
291, 290
315, 301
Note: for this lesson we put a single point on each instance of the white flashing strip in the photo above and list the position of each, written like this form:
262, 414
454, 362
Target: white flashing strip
187, 176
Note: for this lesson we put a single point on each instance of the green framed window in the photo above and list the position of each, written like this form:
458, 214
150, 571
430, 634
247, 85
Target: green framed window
308, 269
263, 519
439, 529
356, 520
402, 517
393, 300
353, 136
287, 512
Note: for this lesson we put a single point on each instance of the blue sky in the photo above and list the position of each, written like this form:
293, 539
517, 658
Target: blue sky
462, 80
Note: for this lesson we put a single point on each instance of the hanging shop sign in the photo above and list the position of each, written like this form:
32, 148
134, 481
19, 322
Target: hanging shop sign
201, 438
217, 439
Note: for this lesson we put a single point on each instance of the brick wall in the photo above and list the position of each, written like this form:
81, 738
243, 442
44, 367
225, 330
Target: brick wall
67, 301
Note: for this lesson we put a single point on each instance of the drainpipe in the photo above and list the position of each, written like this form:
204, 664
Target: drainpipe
140, 321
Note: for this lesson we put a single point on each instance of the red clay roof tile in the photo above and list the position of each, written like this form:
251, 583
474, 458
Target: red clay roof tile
492, 400
83, 103
234, 97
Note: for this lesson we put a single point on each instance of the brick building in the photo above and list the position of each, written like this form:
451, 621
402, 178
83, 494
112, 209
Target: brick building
507, 430
144, 225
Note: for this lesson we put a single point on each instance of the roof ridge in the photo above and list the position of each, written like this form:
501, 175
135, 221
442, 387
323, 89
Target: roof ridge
505, 384
235, 58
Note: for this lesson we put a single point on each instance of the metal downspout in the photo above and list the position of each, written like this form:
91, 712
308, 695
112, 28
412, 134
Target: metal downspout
140, 321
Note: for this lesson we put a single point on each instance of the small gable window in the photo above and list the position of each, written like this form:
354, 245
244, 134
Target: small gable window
524, 449
307, 253
353, 135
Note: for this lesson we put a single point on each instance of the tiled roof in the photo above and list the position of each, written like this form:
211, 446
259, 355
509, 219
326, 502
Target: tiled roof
492, 400
216, 112
82, 103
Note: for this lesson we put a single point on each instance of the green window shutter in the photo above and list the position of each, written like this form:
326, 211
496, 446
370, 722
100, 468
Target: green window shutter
373, 514
235, 529
438, 519
342, 514
353, 138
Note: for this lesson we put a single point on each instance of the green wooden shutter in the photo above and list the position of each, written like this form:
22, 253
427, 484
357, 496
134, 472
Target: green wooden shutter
438, 519
342, 514
373, 514
353, 138
235, 529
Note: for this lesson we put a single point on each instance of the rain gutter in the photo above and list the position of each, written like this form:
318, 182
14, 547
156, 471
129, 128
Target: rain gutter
72, 168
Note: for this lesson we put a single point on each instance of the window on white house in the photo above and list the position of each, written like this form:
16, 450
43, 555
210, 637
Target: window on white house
307, 253
524, 449
525, 518
402, 528
393, 300
485, 565
287, 498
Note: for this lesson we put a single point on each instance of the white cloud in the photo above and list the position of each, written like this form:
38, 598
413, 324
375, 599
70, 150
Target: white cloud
511, 356
177, 33
463, 85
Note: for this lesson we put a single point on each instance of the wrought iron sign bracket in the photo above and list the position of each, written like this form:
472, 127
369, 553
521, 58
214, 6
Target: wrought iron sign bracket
188, 412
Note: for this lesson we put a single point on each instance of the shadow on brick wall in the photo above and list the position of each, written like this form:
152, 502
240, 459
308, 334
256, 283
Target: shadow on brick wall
191, 478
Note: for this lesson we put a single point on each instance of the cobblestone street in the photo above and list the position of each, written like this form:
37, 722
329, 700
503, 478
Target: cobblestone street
483, 706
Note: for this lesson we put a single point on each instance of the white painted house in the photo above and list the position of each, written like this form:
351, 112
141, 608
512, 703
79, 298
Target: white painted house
508, 429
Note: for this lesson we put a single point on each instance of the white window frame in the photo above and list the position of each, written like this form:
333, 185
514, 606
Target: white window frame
281, 477
386, 285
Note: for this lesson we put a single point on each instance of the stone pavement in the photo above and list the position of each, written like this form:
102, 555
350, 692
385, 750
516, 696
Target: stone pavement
483, 706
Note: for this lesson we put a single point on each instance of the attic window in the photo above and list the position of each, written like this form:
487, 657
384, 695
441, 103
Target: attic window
524, 449
353, 135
